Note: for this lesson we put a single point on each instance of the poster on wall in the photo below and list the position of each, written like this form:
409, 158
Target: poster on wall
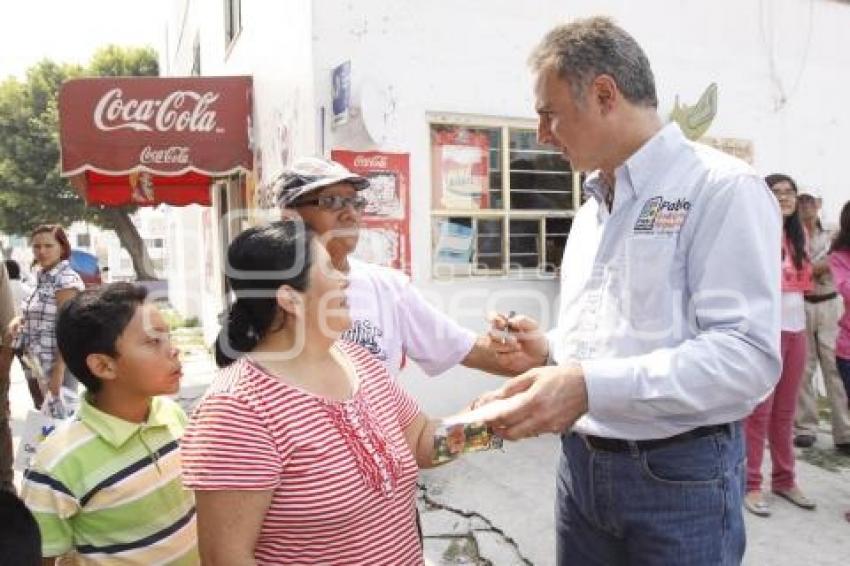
341, 93
461, 161
385, 234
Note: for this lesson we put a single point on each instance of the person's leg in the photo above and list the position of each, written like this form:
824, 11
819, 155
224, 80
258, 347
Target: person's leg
782, 416
686, 508
806, 420
844, 371
7, 475
830, 313
579, 539
755, 427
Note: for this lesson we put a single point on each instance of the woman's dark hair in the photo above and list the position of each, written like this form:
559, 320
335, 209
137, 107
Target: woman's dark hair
793, 226
57, 232
13, 269
91, 322
259, 261
841, 243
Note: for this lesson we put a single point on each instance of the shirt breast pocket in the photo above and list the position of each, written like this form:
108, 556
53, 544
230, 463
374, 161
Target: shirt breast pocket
649, 297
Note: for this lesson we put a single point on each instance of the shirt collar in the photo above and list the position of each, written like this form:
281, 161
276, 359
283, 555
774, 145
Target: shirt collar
63, 263
639, 170
117, 431
653, 157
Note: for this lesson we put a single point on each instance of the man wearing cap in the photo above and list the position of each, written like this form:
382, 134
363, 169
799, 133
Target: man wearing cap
823, 309
390, 318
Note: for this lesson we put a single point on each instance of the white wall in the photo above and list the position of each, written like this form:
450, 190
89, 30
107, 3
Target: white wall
780, 66
275, 49
470, 57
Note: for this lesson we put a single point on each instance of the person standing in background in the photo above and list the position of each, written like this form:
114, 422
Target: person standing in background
823, 309
773, 418
839, 265
20, 290
7, 313
35, 330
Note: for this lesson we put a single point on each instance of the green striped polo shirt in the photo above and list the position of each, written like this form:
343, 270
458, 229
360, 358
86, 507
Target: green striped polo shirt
111, 491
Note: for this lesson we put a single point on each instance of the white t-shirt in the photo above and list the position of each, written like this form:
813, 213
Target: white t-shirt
391, 319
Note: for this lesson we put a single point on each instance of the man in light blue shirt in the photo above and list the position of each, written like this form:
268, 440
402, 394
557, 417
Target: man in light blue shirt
668, 334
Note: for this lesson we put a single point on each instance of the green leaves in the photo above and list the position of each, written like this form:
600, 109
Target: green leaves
31, 190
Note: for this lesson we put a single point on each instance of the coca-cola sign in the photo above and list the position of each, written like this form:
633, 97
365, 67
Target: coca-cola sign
173, 154
166, 126
371, 161
181, 110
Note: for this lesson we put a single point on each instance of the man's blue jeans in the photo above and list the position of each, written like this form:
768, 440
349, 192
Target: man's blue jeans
676, 504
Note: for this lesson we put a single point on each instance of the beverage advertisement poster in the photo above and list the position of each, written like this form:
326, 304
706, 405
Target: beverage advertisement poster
461, 169
385, 233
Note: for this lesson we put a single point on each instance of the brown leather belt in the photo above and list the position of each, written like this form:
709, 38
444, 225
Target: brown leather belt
815, 299
618, 445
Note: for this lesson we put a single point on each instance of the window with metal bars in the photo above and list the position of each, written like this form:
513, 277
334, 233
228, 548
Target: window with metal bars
501, 203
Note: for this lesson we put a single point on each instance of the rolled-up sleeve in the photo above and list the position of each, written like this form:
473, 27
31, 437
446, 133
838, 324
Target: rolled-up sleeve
731, 359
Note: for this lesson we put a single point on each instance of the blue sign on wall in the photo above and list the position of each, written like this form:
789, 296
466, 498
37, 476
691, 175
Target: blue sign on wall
341, 84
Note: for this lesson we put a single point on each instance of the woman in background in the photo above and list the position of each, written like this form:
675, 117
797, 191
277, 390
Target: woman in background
35, 330
773, 418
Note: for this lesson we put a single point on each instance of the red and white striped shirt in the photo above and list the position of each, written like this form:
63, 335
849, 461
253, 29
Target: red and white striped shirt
342, 474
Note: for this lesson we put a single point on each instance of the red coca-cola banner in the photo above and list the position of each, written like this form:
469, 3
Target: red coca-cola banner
164, 129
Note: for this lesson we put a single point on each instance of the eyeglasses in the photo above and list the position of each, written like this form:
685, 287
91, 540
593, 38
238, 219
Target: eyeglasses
335, 203
784, 194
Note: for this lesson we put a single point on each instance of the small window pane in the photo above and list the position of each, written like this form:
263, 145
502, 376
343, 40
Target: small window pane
525, 244
489, 244
453, 240
557, 230
466, 167
541, 178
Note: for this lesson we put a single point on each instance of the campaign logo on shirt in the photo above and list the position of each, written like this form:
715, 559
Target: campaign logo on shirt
662, 216
646, 219
364, 333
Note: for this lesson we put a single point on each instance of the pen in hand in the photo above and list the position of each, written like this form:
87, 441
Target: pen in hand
507, 328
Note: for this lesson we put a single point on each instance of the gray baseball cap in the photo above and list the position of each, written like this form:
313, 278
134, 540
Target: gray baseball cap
309, 174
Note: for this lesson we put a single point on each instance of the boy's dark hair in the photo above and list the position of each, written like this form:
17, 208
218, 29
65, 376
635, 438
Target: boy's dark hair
13, 269
91, 323
20, 539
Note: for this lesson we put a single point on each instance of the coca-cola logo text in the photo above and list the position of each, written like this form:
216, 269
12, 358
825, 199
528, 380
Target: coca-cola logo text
371, 161
174, 154
182, 110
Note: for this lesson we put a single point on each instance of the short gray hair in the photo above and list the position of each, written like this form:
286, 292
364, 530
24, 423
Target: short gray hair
584, 49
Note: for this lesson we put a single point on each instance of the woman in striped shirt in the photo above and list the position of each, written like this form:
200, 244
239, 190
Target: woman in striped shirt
303, 451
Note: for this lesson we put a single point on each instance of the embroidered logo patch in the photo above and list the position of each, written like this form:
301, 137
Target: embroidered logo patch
662, 216
646, 220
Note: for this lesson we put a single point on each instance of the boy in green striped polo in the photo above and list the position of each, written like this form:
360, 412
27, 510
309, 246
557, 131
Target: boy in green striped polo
107, 486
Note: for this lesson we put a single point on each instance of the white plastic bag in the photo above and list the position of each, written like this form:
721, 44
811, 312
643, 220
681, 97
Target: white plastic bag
36, 428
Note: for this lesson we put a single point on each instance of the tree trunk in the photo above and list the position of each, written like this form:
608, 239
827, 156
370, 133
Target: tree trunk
132, 242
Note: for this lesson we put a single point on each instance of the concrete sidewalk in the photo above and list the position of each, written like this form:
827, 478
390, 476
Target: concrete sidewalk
508, 496
497, 507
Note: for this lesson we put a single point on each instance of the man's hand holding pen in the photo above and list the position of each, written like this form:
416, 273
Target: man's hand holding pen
517, 341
